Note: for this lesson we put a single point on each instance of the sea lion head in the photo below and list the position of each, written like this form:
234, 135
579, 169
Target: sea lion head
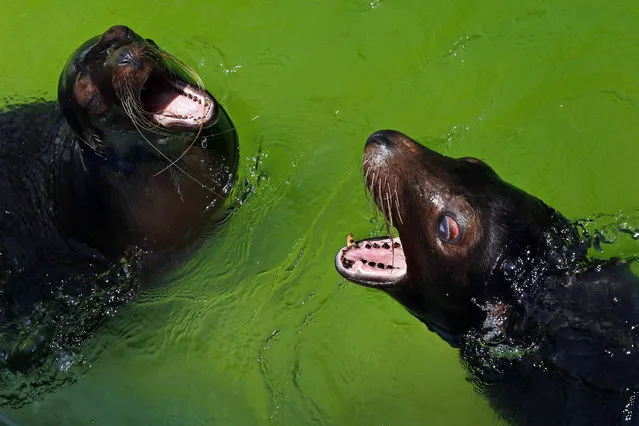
461, 231
120, 92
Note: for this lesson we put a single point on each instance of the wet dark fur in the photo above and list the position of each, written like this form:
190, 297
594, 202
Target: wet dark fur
77, 223
548, 336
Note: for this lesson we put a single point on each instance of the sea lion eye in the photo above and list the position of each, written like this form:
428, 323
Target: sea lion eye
448, 229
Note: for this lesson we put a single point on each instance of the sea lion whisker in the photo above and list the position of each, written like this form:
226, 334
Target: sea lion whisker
159, 151
132, 103
390, 237
367, 192
366, 175
372, 187
171, 62
133, 107
130, 100
133, 111
232, 128
380, 201
399, 215
390, 216
364, 163
149, 52
172, 163
388, 203
174, 67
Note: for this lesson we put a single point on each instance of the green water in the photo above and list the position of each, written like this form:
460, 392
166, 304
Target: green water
258, 328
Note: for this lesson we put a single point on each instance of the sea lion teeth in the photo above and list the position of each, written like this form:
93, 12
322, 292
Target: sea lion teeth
350, 240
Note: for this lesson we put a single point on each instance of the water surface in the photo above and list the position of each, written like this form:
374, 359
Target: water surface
257, 327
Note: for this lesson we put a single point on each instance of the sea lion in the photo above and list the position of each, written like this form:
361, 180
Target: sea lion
136, 157
547, 334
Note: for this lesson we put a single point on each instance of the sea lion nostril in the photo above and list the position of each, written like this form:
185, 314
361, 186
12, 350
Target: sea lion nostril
386, 138
376, 139
126, 57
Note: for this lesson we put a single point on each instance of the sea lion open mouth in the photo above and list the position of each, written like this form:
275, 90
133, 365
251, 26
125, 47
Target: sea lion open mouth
154, 87
381, 261
171, 102
374, 262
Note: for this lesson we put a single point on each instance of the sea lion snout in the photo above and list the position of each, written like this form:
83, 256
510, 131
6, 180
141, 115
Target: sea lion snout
118, 32
385, 138
391, 140
129, 56
130, 69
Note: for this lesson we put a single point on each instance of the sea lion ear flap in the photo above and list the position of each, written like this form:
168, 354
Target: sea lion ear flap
480, 163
